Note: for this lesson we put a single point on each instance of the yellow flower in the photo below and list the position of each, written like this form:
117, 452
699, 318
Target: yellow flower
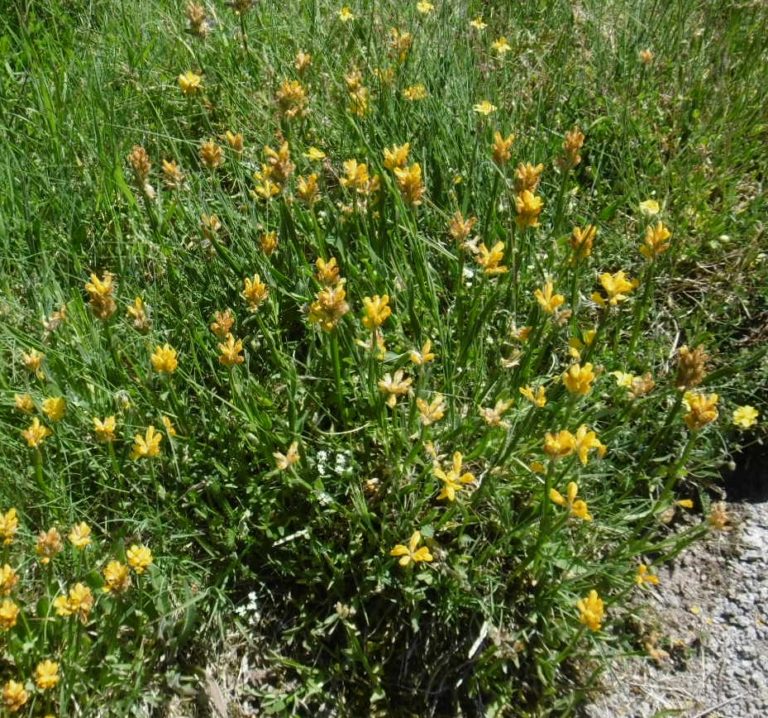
501, 147
538, 399
36, 433
460, 228
8, 579
105, 429
285, 461
576, 507
138, 314
411, 553
46, 674
164, 359
190, 82
231, 351
376, 311
345, 14
685, 503
234, 140
617, 287
100, 293
330, 306
528, 207
169, 427
139, 558
423, 356
255, 292
307, 188
485, 108
394, 386
431, 412
702, 410
655, 242
650, 207
9, 614
493, 415
292, 99
48, 545
591, 611
80, 535
745, 416
501, 46
547, 299
14, 696
327, 272
211, 155
718, 517
79, 602
559, 445
582, 240
302, 62
490, 259
478, 24
173, 177
33, 362
644, 576
117, 578
424, 7
54, 407
314, 154
146, 446
410, 183
453, 480
578, 379
585, 441
397, 156
527, 177
415, 92
9, 525
646, 56
574, 141
265, 187
24, 403
222, 324
691, 367
399, 44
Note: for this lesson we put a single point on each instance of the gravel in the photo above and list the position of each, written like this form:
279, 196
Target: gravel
711, 610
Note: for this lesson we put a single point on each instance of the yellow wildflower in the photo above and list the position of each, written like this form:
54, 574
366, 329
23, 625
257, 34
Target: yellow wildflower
9, 525
691, 367
139, 558
422, 356
547, 299
655, 242
222, 324
54, 407
646, 56
501, 46
410, 183
485, 108
173, 177
478, 23
146, 446
24, 403
559, 445
138, 314
48, 545
400, 43
453, 480
15, 696
9, 614
460, 228
314, 154
36, 433
80, 535
357, 178
190, 82
501, 147
46, 674
78, 602
100, 293
8, 580
33, 362
685, 503
528, 207
578, 379
255, 292
327, 271
104, 429
527, 177
650, 207
538, 399
164, 359
411, 553
644, 576
330, 305
231, 351
376, 311
702, 410
718, 517
574, 141
170, 429
307, 188
292, 99
302, 62
430, 412
490, 259
586, 440
582, 240
493, 415
346, 14
576, 507
394, 386
291, 457
745, 416
117, 578
425, 7
591, 611
617, 287
397, 156
414, 93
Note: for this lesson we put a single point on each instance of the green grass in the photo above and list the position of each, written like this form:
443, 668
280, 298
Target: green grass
490, 627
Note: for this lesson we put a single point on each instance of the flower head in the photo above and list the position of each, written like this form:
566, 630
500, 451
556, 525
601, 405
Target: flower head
578, 379
80, 535
655, 242
139, 558
691, 367
702, 410
78, 602
329, 307
8, 579
410, 183
644, 576
54, 407
147, 446
574, 141
394, 386
231, 351
485, 108
745, 416
422, 356
527, 177
9, 525
528, 207
576, 507
650, 207
493, 415
547, 299
582, 240
376, 311
46, 674
490, 259
14, 696
9, 614
292, 99
104, 428
117, 578
460, 228
291, 457
585, 441
559, 445
235, 141
501, 148
211, 155
397, 156
173, 177
255, 292
138, 314
538, 399
170, 429
501, 46
48, 545
411, 553
36, 434
453, 479
100, 294
24, 403
190, 82
414, 93
222, 323
617, 287
425, 7
164, 359
478, 23
430, 412
307, 188
346, 14
591, 611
